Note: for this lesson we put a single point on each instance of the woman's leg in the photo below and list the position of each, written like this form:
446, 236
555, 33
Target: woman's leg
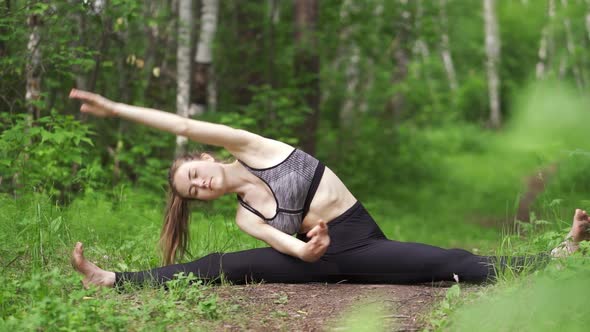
386, 261
255, 265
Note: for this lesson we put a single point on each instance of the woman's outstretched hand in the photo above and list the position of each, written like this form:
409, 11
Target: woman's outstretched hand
93, 103
319, 241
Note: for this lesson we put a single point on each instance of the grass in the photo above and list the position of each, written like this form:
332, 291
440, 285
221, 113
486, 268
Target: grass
470, 204
41, 290
120, 231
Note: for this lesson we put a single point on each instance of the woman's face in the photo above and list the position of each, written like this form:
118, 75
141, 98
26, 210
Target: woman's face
199, 179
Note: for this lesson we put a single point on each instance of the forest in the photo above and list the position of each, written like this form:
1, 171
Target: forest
461, 124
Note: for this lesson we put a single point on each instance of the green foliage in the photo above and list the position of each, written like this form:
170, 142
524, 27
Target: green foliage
52, 155
542, 302
438, 318
273, 113
364, 317
189, 289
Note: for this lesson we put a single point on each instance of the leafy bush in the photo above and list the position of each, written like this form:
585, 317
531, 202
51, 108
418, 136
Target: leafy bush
50, 155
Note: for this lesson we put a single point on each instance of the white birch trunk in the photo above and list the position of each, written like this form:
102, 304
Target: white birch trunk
368, 67
493, 57
204, 58
183, 64
400, 60
445, 47
33, 66
276, 11
570, 50
350, 54
421, 49
81, 78
545, 42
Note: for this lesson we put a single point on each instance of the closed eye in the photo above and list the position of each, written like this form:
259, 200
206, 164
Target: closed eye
192, 192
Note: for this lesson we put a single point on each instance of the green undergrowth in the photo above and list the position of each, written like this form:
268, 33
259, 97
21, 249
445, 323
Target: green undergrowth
120, 231
547, 299
537, 293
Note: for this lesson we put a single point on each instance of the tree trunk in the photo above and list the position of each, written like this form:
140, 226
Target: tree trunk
421, 50
79, 18
33, 67
570, 51
166, 72
400, 60
368, 68
546, 43
106, 23
204, 58
6, 13
152, 32
351, 56
446, 49
493, 57
274, 18
307, 65
183, 65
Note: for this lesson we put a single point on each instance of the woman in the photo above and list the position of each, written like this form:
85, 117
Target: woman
282, 191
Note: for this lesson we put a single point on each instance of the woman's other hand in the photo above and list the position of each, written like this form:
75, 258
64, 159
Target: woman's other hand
93, 103
319, 241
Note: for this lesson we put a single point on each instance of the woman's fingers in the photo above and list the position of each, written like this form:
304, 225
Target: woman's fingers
320, 228
83, 95
323, 228
93, 103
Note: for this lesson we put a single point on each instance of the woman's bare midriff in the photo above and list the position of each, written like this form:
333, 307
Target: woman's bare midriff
331, 200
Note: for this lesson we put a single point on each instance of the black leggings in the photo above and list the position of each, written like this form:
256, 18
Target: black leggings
358, 253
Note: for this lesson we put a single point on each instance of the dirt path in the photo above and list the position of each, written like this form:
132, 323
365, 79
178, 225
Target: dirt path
320, 307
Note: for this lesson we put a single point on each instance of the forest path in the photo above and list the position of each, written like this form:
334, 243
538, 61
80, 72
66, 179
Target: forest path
324, 307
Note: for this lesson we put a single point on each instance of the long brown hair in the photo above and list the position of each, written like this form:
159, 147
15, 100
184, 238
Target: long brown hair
175, 231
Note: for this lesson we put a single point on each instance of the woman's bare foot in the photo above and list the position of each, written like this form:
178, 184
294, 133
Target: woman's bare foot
580, 227
580, 232
93, 275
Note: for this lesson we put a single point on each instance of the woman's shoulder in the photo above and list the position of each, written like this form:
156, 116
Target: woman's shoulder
265, 153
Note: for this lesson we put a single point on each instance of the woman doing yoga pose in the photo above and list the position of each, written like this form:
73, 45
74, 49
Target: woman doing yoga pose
282, 191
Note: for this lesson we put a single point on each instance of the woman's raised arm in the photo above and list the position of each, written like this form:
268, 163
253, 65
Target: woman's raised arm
200, 131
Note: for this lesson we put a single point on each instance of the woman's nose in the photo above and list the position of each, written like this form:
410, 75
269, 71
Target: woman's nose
200, 183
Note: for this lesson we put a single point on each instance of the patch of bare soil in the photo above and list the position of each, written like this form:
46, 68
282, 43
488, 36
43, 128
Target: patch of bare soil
321, 307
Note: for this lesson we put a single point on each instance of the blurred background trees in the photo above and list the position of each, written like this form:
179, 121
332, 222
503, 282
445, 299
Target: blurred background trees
358, 83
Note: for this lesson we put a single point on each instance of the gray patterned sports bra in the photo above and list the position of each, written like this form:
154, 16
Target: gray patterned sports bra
293, 183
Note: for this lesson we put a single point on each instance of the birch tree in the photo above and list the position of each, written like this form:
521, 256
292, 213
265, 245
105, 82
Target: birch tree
546, 43
400, 59
183, 65
203, 85
368, 70
79, 18
422, 51
445, 48
307, 65
492, 41
570, 47
5, 11
274, 15
152, 33
350, 53
33, 65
